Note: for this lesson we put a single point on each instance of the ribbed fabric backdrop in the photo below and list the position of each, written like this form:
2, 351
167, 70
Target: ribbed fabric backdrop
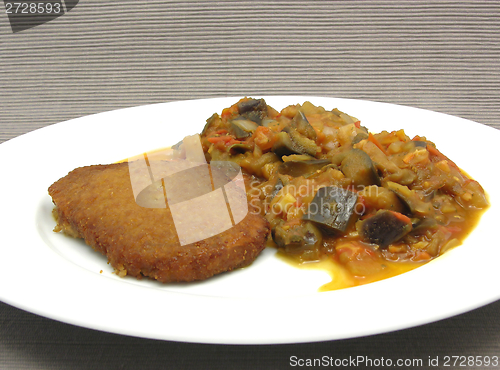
104, 55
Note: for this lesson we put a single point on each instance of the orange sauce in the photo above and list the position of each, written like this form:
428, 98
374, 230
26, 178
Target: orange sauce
342, 278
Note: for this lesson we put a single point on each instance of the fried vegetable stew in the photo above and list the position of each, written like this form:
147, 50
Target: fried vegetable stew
332, 190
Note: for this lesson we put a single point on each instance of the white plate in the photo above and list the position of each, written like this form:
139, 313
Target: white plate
269, 302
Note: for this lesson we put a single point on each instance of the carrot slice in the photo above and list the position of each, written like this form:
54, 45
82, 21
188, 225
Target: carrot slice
401, 217
218, 139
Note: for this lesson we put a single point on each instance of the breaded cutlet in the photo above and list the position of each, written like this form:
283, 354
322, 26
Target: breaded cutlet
97, 203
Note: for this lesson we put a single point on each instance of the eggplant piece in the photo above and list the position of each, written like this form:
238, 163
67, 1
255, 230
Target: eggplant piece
385, 228
289, 141
212, 121
422, 226
305, 239
337, 159
358, 166
243, 127
302, 125
332, 208
240, 148
307, 145
302, 168
412, 199
253, 109
277, 187
419, 143
250, 105
284, 145
359, 137
345, 117
299, 143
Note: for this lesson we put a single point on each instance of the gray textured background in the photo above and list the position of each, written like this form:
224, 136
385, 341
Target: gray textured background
105, 55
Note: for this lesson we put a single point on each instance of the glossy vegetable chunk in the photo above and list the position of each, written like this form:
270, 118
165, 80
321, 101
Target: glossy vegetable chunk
285, 146
332, 208
306, 145
253, 109
290, 141
277, 187
411, 198
301, 238
302, 125
302, 168
385, 227
243, 127
240, 148
358, 166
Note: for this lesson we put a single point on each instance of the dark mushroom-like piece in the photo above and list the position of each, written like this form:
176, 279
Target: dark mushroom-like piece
359, 137
358, 166
243, 127
302, 168
304, 239
250, 105
421, 226
277, 187
285, 146
384, 228
419, 143
289, 141
411, 198
253, 109
212, 122
302, 125
307, 145
240, 148
332, 208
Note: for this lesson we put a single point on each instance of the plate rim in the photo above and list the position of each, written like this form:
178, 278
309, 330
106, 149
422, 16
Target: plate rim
223, 337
